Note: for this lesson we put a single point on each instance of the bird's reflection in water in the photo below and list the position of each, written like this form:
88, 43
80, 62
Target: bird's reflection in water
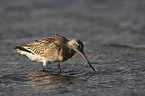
51, 80
46, 80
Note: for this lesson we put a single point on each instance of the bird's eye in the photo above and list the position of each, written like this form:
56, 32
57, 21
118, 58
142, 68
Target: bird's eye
79, 46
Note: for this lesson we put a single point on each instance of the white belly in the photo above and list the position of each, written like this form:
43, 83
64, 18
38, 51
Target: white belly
39, 58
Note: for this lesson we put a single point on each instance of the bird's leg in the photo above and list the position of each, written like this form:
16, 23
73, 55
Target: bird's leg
43, 68
44, 65
59, 67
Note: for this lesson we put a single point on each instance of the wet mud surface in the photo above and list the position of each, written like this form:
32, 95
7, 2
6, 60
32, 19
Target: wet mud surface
113, 33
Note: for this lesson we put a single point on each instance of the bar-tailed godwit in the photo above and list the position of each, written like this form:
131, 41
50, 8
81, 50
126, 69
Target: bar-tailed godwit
53, 49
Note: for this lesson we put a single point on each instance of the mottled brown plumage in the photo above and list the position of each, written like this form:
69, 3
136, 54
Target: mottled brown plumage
52, 49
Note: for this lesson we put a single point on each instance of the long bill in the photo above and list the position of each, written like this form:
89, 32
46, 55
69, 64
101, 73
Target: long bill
86, 59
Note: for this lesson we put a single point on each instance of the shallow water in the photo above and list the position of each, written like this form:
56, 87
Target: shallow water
113, 35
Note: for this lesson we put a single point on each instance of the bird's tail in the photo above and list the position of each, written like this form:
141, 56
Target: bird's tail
20, 48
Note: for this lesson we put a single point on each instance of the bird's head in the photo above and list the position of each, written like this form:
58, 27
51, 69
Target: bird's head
78, 46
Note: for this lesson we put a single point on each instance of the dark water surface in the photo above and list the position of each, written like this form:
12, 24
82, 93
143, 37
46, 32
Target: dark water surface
113, 33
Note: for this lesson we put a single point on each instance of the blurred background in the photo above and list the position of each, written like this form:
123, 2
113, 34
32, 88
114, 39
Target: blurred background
95, 21
113, 32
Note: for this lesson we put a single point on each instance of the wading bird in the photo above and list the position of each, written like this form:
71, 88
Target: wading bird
53, 49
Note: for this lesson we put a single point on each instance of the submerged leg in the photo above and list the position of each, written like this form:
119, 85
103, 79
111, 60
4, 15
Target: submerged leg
44, 66
59, 67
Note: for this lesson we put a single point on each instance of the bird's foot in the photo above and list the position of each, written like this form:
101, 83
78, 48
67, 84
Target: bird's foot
59, 71
43, 69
